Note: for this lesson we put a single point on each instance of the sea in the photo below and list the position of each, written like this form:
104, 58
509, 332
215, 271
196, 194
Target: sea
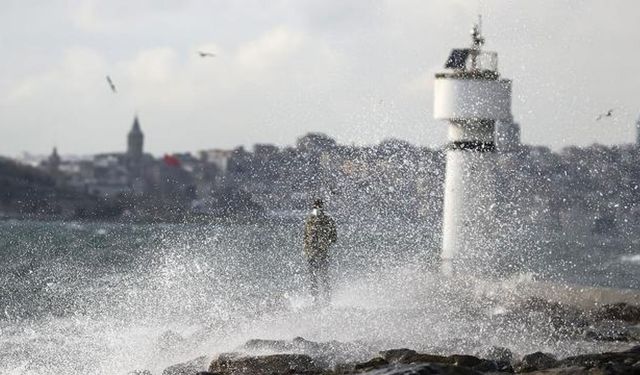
109, 298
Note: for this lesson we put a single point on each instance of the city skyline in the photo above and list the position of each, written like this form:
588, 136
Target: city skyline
357, 72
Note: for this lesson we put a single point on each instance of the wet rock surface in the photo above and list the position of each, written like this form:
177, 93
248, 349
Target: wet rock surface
187, 368
613, 360
407, 361
536, 361
615, 325
619, 311
497, 353
608, 323
423, 369
325, 354
264, 364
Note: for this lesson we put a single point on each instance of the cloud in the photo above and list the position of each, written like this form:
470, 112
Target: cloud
171, 86
79, 69
287, 67
275, 47
153, 66
114, 16
84, 16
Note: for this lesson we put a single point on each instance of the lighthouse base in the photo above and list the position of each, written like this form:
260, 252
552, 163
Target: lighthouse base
469, 244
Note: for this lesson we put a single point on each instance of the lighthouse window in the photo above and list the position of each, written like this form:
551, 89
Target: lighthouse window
457, 59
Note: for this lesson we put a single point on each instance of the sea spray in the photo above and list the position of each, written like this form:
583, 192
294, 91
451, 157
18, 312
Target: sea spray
147, 297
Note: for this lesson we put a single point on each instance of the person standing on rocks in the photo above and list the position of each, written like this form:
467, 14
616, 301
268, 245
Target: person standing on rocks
319, 234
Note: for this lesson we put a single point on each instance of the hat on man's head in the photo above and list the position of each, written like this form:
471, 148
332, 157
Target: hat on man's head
318, 203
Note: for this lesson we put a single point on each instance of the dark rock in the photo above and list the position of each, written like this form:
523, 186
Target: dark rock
497, 356
505, 367
325, 354
635, 349
423, 369
397, 355
264, 364
267, 345
563, 319
565, 371
408, 356
372, 364
615, 368
465, 360
619, 311
536, 361
309, 358
187, 368
343, 368
431, 358
615, 361
629, 361
487, 366
609, 330
497, 353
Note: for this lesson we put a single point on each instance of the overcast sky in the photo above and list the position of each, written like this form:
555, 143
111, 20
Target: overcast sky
360, 71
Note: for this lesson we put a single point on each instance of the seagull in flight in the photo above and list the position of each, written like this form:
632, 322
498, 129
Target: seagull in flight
110, 82
204, 54
608, 113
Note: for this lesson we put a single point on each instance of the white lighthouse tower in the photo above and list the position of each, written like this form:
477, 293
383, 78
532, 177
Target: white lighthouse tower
638, 132
472, 97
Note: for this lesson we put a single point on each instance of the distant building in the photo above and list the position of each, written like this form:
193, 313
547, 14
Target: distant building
220, 158
135, 141
53, 163
108, 175
134, 156
265, 150
52, 166
315, 142
507, 136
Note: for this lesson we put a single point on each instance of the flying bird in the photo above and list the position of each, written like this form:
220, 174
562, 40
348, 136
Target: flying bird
609, 113
110, 82
206, 54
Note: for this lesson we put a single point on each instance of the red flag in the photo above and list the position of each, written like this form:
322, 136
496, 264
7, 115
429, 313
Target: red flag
171, 161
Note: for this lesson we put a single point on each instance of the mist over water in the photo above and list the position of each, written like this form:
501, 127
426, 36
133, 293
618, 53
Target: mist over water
111, 298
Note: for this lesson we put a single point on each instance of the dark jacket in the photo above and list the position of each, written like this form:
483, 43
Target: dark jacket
319, 233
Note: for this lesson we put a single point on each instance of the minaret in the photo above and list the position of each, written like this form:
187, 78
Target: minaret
472, 97
135, 141
53, 162
53, 166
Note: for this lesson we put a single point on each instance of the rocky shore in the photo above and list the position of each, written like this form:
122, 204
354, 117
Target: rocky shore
402, 361
615, 323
